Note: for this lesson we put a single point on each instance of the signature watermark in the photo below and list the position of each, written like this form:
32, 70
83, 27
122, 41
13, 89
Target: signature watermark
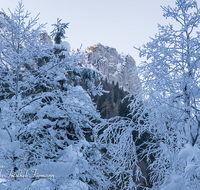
25, 174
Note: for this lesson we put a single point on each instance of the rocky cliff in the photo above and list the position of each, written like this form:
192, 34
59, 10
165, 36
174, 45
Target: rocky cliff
114, 66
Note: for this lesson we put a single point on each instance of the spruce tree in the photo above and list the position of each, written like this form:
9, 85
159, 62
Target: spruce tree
59, 31
45, 113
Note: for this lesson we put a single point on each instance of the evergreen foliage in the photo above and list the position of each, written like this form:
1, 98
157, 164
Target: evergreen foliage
50, 125
59, 31
45, 113
110, 104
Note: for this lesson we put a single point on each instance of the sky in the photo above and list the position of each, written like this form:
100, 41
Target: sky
121, 24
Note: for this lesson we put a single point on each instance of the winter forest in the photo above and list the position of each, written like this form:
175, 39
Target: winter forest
52, 134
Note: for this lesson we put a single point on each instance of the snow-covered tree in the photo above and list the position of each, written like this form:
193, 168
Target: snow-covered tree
59, 31
171, 99
19, 51
45, 113
167, 109
120, 161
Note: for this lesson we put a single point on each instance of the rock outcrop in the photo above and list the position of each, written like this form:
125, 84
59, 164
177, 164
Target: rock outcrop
114, 66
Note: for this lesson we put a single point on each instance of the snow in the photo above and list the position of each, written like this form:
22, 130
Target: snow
43, 184
3, 187
173, 186
61, 76
189, 153
64, 167
75, 185
3, 135
13, 146
36, 123
66, 45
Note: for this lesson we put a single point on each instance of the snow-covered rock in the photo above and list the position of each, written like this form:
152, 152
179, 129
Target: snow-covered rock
114, 66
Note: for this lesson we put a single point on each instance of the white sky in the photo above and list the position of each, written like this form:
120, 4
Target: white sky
121, 24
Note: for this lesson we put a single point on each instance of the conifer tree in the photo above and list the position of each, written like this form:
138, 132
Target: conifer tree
45, 113
59, 31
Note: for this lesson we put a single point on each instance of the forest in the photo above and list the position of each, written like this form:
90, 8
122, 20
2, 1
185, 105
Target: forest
64, 127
